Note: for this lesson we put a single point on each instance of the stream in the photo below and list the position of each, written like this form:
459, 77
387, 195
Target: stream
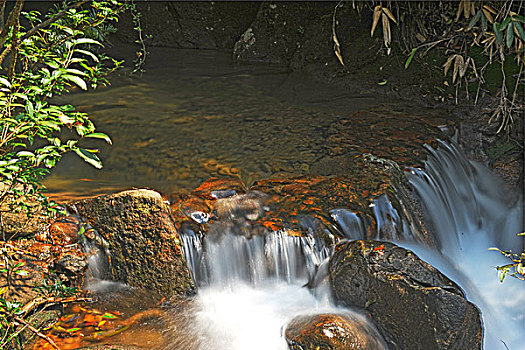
193, 114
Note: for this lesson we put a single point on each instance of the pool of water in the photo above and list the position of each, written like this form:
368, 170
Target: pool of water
194, 114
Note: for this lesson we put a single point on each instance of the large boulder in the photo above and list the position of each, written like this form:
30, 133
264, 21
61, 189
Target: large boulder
142, 240
333, 331
411, 302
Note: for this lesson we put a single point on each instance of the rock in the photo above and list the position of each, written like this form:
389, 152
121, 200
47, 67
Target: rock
41, 265
142, 240
195, 25
333, 331
278, 31
411, 302
64, 231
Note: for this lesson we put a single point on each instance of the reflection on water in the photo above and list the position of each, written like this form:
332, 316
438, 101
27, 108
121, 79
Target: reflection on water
192, 115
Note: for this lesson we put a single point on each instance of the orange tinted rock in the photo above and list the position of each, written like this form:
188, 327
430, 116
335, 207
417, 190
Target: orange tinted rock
215, 184
142, 238
333, 331
64, 231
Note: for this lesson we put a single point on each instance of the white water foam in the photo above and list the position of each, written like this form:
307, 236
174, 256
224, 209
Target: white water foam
244, 317
250, 288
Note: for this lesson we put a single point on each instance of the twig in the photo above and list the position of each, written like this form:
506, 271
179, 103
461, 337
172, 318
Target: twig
50, 300
36, 331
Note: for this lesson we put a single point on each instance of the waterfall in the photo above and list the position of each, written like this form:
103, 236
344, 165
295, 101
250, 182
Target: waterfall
465, 208
469, 213
230, 258
251, 287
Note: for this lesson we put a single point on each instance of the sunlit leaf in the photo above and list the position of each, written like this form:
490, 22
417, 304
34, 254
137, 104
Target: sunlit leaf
86, 41
87, 53
89, 157
5, 82
99, 135
77, 80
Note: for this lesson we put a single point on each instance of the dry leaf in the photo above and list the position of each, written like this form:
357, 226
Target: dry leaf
338, 54
466, 9
463, 67
386, 30
377, 13
488, 15
448, 63
389, 13
460, 9
490, 9
420, 37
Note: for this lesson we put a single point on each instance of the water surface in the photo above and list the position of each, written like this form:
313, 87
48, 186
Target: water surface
194, 114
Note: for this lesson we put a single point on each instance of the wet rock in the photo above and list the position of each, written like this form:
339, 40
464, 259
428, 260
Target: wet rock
412, 303
203, 25
21, 223
64, 231
41, 264
142, 240
299, 205
249, 206
395, 135
278, 31
216, 187
39, 275
333, 331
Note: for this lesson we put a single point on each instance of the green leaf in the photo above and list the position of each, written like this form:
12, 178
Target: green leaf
87, 53
77, 80
499, 36
505, 22
50, 124
520, 30
76, 72
519, 18
25, 154
5, 82
382, 82
410, 57
474, 19
510, 35
484, 23
30, 109
86, 41
99, 135
88, 157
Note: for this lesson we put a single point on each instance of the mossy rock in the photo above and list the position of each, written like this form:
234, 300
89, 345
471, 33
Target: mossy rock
142, 239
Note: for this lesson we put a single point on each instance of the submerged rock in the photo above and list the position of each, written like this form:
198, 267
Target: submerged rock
142, 240
413, 304
331, 331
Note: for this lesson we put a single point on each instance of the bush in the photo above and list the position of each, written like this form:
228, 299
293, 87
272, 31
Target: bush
50, 54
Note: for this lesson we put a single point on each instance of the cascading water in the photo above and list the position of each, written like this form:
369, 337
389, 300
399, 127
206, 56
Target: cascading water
250, 288
468, 213
468, 210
